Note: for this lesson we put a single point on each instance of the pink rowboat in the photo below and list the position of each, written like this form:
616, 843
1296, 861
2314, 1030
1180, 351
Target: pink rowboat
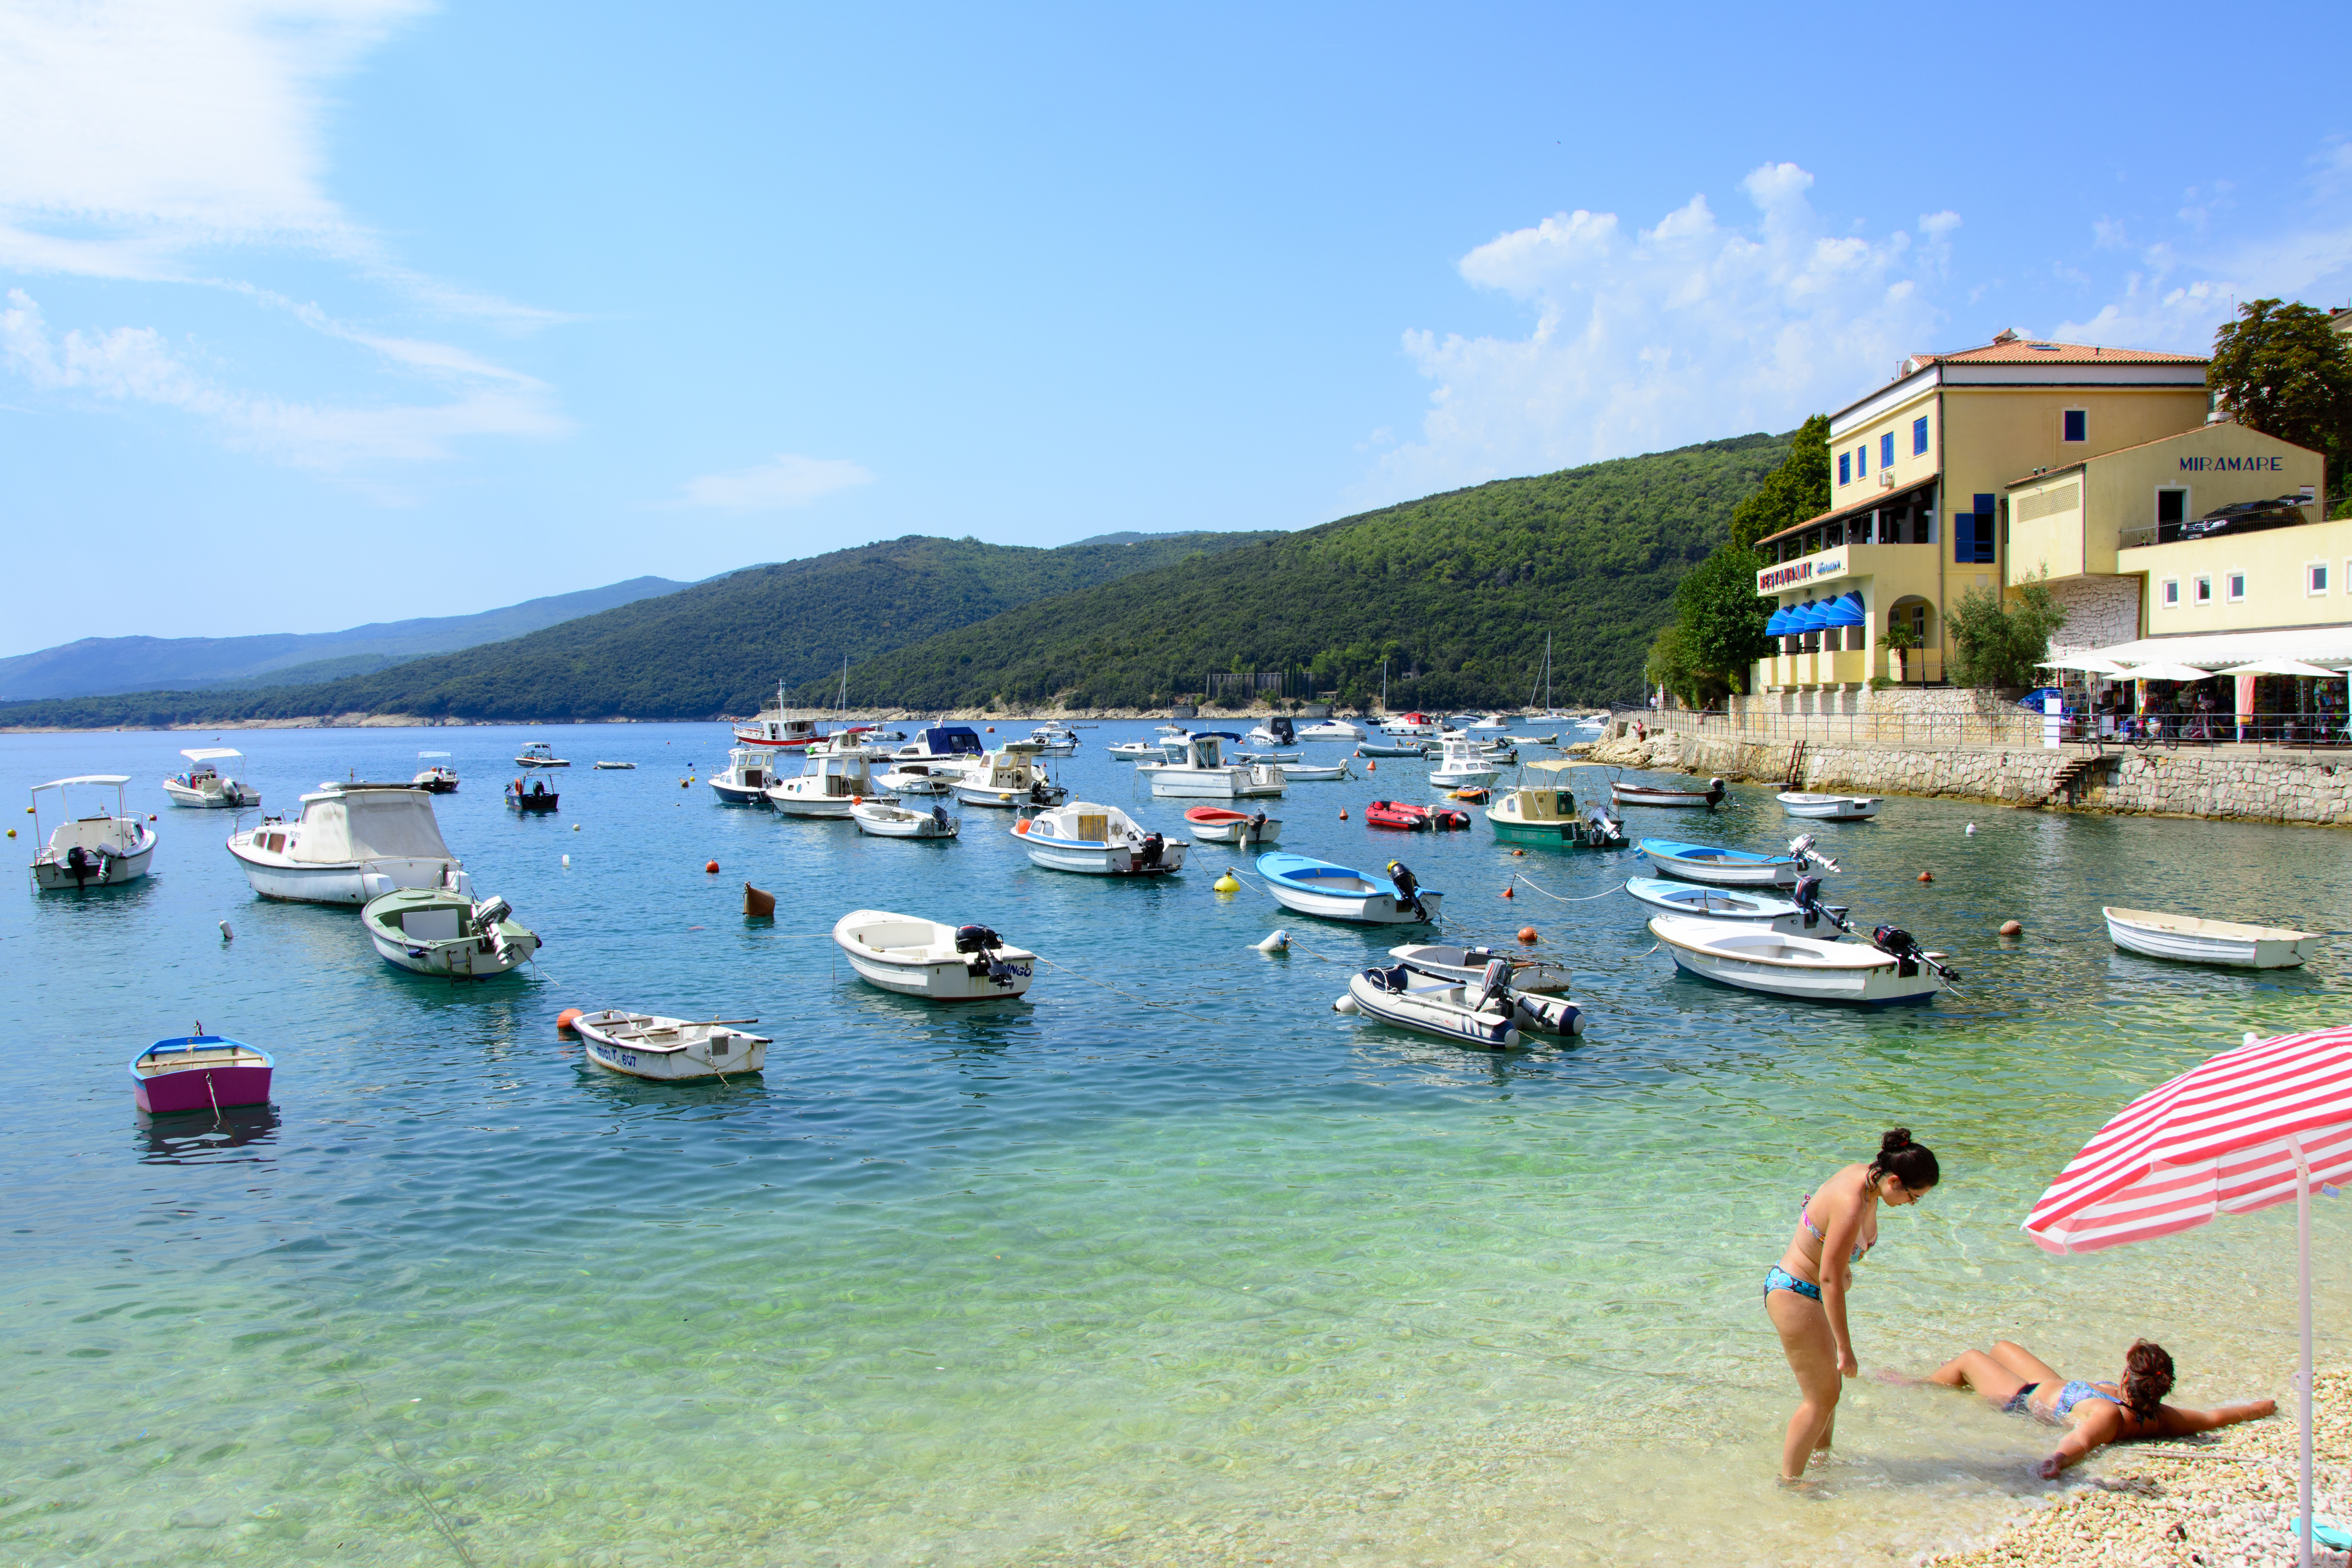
199, 1072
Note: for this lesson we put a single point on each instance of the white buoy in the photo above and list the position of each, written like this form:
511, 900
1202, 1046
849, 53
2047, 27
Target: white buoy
1277, 942
567, 860
1345, 1004
575, 827
227, 935
1972, 828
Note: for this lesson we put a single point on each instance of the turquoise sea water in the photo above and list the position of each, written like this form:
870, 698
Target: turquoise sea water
1170, 1262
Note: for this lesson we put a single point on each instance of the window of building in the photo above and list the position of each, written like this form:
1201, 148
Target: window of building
2234, 584
1861, 460
2168, 594
1919, 435
1832, 536
1845, 475
2075, 425
2201, 590
1972, 534
2171, 507
1886, 450
2315, 578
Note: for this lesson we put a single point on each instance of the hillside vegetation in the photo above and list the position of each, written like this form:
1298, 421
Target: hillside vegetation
1456, 592
717, 647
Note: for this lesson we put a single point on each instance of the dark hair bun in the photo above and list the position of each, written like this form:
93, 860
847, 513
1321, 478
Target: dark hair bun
1896, 1138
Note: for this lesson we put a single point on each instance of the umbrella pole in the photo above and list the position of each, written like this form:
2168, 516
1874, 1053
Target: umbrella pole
2303, 1385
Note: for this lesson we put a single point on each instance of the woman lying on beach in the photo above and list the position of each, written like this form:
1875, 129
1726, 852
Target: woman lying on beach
1805, 1292
2013, 1378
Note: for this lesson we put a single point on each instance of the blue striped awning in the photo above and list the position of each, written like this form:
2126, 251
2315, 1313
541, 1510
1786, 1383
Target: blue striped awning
1845, 610
1807, 616
1777, 626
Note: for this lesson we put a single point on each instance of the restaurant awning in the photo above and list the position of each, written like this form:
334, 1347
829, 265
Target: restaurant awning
1777, 626
2330, 645
1845, 610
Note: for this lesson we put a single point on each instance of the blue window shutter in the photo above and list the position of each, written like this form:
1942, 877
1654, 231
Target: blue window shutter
1919, 435
1862, 459
1845, 469
1985, 507
2077, 421
1964, 533
1886, 450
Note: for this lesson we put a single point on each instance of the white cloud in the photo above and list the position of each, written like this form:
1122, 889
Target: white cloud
789, 481
1690, 329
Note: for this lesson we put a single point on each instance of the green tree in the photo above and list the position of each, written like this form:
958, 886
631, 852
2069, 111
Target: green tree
1998, 643
1719, 620
1668, 665
1799, 489
2282, 370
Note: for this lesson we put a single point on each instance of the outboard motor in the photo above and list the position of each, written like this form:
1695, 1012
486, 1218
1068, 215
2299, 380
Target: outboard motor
489, 913
1899, 945
1149, 854
1408, 888
1806, 896
939, 818
982, 943
1283, 733
976, 938
1255, 832
81, 864
1495, 985
1037, 793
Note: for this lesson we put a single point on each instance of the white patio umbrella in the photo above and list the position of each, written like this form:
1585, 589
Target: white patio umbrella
2282, 666
2166, 672
2088, 663
2250, 1127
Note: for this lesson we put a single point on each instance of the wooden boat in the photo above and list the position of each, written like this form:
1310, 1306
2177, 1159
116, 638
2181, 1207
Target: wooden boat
1624, 794
1731, 867
433, 930
1467, 964
1695, 900
615, 767
537, 800
1314, 886
202, 787
1828, 808
199, 1072
1548, 816
538, 755
884, 820
916, 957
97, 851
1097, 840
1217, 825
780, 729
672, 1050
351, 845
1755, 958
2194, 941
438, 778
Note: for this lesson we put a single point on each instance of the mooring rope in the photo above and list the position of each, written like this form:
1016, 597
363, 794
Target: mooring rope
1530, 881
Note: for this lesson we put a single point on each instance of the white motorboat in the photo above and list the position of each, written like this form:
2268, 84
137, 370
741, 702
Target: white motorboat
1483, 1010
916, 957
1170, 732
1055, 740
1463, 766
1311, 773
1757, 958
1132, 751
101, 850
672, 1050
1828, 807
942, 749
438, 931
1216, 825
1197, 770
1331, 730
201, 785
827, 785
1491, 721
1734, 867
744, 780
911, 779
884, 820
1313, 886
538, 755
351, 844
617, 767
1464, 964
436, 776
2193, 940
1100, 840
1694, 900
1408, 747
1409, 726
1007, 778
1277, 731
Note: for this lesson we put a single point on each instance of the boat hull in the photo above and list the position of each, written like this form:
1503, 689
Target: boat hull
1775, 873
1829, 807
1641, 795
227, 798
201, 1083
349, 882
718, 1053
1433, 1009
113, 871
1210, 826
926, 970
736, 794
531, 805
2247, 947
889, 822
1766, 965
459, 957
1694, 900
1217, 784
1369, 904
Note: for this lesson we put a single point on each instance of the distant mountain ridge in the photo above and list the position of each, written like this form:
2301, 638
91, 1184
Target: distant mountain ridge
99, 666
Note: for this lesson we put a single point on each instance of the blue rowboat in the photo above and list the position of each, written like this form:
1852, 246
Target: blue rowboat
1314, 886
1698, 901
1722, 868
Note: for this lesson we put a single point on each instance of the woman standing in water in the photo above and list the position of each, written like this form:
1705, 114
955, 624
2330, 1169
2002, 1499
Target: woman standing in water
1805, 1291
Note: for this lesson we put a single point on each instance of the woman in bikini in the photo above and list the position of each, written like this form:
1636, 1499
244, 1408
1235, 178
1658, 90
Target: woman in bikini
2021, 1384
1805, 1291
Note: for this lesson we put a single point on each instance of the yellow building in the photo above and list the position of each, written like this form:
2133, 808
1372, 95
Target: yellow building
1920, 472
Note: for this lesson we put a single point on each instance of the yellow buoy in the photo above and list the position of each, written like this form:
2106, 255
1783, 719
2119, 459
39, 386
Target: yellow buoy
1226, 884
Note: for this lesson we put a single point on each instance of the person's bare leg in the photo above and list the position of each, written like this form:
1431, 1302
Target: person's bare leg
1805, 1337
2028, 1367
1978, 1371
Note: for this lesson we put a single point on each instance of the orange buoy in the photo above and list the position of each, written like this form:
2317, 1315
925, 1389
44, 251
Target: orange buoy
2012, 927
1518, 852
857, 800
711, 867
151, 816
1506, 891
1343, 816
1371, 767
1926, 876
1022, 825
564, 1020
1526, 933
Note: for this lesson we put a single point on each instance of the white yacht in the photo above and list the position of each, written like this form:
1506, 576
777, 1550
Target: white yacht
1009, 777
1055, 740
748, 772
1333, 729
95, 851
829, 784
1197, 770
352, 843
540, 754
203, 785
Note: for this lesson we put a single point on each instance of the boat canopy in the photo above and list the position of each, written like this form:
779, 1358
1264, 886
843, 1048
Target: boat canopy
207, 753
1552, 765
392, 822
420, 754
950, 741
116, 779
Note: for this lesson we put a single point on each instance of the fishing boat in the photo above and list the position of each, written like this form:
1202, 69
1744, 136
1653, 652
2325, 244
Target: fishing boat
827, 785
439, 777
1410, 817
1733, 867
1313, 886
744, 780
1757, 958
438, 932
916, 957
671, 1050
1008, 778
617, 767
1216, 825
1197, 769
1099, 840
1694, 900
1547, 815
202, 787
1463, 764
199, 1072
538, 755
536, 801
781, 728
351, 844
101, 850
1828, 808
1622, 793
1540, 975
884, 820
1330, 729
2194, 941
1315, 773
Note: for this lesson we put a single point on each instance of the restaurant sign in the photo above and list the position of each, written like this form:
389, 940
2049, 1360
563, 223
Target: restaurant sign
1799, 573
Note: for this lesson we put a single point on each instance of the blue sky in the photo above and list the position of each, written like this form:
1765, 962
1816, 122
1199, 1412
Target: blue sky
321, 311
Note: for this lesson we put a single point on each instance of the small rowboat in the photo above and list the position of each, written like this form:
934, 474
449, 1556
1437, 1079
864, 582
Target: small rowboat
916, 957
1467, 963
1757, 958
1300, 772
1624, 794
1828, 807
1693, 900
1314, 886
1408, 748
199, 1072
1215, 824
2194, 941
613, 766
1728, 867
440, 931
673, 1050
883, 820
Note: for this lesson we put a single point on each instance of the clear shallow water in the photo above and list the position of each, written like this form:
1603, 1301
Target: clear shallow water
1170, 1263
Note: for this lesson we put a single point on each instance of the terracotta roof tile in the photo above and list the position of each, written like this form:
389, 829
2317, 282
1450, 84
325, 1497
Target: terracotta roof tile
2026, 350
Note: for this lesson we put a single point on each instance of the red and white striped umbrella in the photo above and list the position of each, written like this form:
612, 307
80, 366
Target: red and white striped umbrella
2250, 1127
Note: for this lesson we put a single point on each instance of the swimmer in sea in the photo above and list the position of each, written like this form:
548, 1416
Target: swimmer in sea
2012, 1377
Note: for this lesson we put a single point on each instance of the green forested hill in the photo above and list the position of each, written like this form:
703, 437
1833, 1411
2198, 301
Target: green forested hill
1455, 591
717, 647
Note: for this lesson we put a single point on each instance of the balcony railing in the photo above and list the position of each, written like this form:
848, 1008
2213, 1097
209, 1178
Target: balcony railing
2010, 729
2189, 532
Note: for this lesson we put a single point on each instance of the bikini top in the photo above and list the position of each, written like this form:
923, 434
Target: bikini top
2076, 1392
1805, 1218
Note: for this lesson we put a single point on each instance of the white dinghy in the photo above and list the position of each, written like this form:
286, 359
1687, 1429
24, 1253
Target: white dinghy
883, 820
1828, 807
916, 957
1100, 840
672, 1050
352, 843
1779, 964
1485, 1012
1316, 772
98, 851
2193, 940
829, 784
1313, 886
1216, 825
435, 931
1694, 900
1467, 963
203, 784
